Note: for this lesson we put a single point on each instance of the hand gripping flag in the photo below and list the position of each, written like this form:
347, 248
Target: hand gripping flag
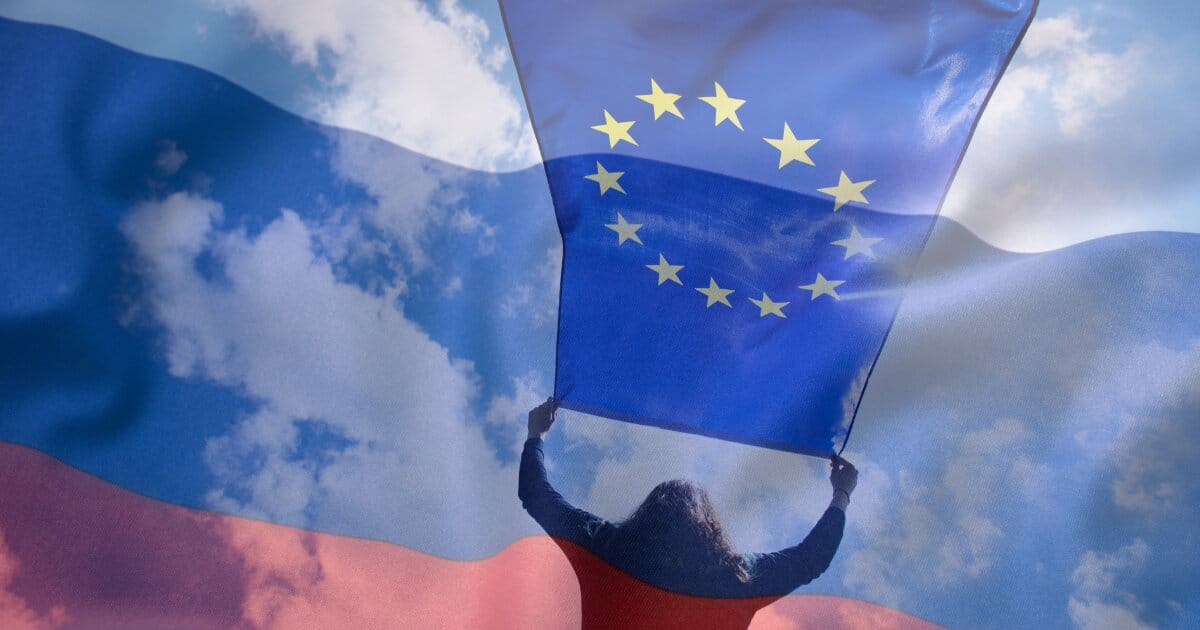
742, 189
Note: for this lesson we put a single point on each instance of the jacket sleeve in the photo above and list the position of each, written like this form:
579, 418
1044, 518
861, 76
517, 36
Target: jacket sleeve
784, 571
558, 517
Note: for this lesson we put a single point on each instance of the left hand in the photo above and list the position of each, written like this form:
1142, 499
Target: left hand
541, 417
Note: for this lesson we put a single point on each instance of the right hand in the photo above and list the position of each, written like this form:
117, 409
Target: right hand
844, 475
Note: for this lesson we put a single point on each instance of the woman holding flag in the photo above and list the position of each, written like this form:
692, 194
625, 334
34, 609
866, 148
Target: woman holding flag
670, 564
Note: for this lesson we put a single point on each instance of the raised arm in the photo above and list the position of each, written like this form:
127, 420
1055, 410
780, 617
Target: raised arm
786, 570
558, 517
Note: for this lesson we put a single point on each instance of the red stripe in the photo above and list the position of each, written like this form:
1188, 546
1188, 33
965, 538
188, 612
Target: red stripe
75, 550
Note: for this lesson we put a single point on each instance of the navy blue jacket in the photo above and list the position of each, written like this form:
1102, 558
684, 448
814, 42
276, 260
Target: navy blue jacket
771, 575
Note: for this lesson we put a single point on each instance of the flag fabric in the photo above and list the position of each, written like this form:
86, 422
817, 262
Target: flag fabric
742, 191
98, 555
114, 164
272, 311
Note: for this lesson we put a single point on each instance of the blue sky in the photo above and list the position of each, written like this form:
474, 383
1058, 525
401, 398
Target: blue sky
1027, 443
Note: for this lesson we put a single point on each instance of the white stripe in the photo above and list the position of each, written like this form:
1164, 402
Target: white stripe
1079, 141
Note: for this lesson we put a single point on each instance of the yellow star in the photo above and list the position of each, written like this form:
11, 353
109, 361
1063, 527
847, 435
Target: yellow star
666, 271
726, 107
606, 179
616, 131
663, 102
715, 293
791, 149
821, 286
767, 307
625, 231
857, 244
846, 190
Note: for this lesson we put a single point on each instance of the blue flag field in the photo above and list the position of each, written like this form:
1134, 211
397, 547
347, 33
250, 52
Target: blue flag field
742, 200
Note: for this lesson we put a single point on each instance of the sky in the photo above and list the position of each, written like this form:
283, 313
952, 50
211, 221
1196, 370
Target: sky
1027, 444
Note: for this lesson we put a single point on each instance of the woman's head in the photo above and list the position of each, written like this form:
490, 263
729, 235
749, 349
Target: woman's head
677, 525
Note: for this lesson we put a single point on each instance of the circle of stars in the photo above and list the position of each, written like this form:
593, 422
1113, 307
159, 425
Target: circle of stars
791, 149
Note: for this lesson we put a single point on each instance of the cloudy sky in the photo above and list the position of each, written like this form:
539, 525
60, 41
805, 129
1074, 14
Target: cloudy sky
1027, 443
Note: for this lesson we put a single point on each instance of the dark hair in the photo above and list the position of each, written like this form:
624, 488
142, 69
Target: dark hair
676, 531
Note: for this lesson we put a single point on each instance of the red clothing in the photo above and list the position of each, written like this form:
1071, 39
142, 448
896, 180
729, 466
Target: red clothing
620, 588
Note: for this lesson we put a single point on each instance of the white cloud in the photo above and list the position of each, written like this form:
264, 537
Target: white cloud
411, 196
425, 77
850, 401
1154, 378
1082, 80
1097, 602
1093, 615
528, 392
356, 405
453, 287
412, 201
170, 159
1146, 485
549, 270
511, 411
766, 499
15, 612
535, 296
1151, 445
1076, 142
941, 534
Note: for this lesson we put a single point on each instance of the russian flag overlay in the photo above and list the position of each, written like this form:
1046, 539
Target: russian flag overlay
78, 552
742, 191
1030, 455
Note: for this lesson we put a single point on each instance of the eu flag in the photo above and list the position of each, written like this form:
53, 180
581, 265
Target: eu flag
742, 189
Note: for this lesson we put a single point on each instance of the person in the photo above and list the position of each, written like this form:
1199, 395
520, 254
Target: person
670, 565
